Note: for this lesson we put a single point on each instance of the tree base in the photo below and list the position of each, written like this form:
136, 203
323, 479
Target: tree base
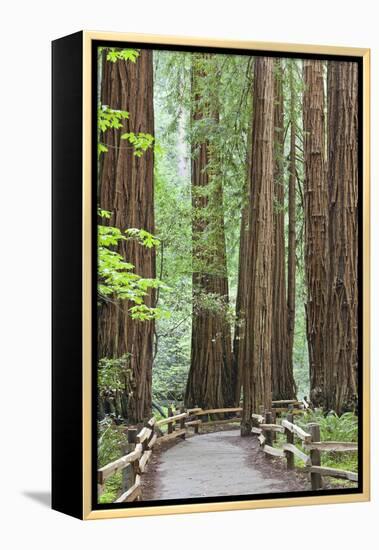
246, 428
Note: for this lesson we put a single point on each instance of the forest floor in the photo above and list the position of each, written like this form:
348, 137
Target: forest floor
217, 464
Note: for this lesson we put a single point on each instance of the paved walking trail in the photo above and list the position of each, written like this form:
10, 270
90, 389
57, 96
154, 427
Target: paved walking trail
217, 464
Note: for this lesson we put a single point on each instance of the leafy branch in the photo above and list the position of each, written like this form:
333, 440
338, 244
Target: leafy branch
116, 277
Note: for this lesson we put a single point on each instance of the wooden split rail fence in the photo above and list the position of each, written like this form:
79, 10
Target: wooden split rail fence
141, 444
266, 429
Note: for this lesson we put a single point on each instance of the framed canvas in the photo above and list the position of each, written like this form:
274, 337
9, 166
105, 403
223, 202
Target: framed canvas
211, 234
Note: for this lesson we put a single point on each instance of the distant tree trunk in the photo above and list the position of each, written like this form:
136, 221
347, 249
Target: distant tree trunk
291, 259
240, 312
316, 225
283, 384
126, 190
342, 338
239, 329
258, 266
209, 378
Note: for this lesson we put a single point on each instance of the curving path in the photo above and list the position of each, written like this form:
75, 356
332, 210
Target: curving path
216, 464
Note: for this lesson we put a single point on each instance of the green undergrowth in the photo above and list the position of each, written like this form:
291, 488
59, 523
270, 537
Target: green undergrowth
113, 487
332, 428
111, 442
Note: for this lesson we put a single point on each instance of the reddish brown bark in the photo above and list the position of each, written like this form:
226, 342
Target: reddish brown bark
239, 329
240, 322
258, 265
209, 378
316, 225
283, 384
291, 259
342, 338
126, 190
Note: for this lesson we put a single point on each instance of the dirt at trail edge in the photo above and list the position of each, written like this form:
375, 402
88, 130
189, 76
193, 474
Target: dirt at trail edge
217, 464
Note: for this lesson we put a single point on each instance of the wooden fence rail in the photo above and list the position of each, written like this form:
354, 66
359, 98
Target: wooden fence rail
141, 445
265, 425
265, 430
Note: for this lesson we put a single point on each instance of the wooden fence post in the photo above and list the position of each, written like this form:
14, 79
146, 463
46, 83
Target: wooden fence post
316, 479
170, 426
183, 422
290, 439
268, 433
273, 413
129, 473
196, 426
150, 424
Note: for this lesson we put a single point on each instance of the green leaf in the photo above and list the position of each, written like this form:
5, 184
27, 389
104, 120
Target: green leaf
141, 142
116, 277
128, 54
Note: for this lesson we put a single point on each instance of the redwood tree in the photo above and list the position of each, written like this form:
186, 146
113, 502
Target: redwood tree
209, 378
316, 225
342, 338
126, 190
240, 321
283, 384
258, 265
291, 258
239, 327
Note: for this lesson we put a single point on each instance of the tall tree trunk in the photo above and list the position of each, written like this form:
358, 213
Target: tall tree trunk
316, 225
240, 312
291, 259
209, 378
283, 384
126, 190
342, 339
239, 329
258, 266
